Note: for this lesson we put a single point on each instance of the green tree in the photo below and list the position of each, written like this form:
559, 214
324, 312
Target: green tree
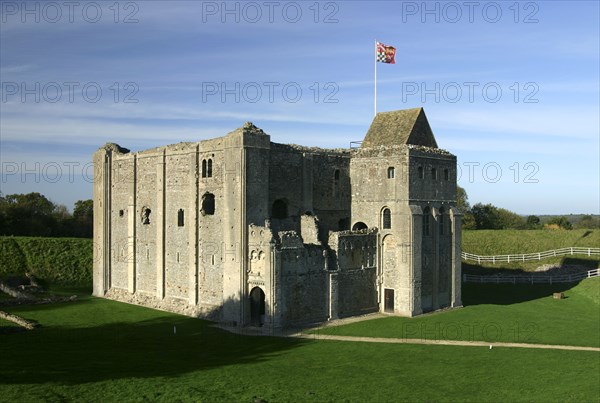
561, 222
84, 210
83, 217
462, 201
27, 214
510, 220
533, 222
486, 216
464, 208
588, 222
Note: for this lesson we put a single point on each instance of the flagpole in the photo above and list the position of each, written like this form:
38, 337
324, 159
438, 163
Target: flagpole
375, 82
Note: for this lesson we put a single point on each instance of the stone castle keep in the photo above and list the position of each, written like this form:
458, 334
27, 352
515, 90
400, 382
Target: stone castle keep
245, 231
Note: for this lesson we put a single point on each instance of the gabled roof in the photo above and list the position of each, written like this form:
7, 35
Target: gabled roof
407, 126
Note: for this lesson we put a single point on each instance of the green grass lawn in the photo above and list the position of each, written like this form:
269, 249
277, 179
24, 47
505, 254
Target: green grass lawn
100, 350
504, 312
7, 323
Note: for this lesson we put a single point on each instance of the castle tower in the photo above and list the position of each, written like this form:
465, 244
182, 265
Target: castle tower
404, 185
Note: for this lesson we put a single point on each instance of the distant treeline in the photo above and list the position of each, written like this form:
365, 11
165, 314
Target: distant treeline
33, 214
488, 216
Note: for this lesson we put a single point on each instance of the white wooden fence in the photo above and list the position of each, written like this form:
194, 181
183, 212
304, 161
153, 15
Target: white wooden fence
537, 278
525, 257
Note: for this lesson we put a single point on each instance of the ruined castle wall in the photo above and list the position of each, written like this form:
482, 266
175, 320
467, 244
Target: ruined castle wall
356, 255
147, 231
212, 250
122, 211
303, 281
179, 191
286, 168
310, 180
331, 191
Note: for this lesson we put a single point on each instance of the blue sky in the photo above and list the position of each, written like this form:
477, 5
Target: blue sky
511, 88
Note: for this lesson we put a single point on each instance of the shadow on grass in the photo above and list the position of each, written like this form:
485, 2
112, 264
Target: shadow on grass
507, 294
142, 344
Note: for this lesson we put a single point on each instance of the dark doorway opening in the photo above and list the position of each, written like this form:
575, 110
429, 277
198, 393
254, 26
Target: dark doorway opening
344, 224
257, 307
280, 209
359, 226
388, 300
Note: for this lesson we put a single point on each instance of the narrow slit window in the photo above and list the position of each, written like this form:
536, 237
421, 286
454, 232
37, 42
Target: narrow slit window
433, 173
421, 174
209, 169
180, 218
446, 175
426, 221
391, 173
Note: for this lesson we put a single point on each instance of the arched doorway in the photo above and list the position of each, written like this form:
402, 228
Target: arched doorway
257, 307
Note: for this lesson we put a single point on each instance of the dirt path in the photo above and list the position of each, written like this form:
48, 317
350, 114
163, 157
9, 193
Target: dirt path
313, 336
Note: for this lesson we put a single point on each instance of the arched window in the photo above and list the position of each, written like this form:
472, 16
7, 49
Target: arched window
359, 226
180, 218
387, 219
421, 174
336, 175
280, 209
446, 175
204, 168
209, 169
433, 173
391, 173
427, 221
208, 204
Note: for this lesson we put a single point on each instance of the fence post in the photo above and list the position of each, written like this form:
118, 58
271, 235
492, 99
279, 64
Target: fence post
571, 250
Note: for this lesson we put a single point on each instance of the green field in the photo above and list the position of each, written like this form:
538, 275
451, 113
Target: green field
512, 242
505, 242
100, 350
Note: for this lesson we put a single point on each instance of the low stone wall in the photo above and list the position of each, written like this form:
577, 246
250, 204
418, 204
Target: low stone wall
27, 324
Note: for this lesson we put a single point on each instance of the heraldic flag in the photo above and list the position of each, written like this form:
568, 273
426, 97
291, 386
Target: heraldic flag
385, 53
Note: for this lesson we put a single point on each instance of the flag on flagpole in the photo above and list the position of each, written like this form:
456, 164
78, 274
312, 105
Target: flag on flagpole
385, 53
